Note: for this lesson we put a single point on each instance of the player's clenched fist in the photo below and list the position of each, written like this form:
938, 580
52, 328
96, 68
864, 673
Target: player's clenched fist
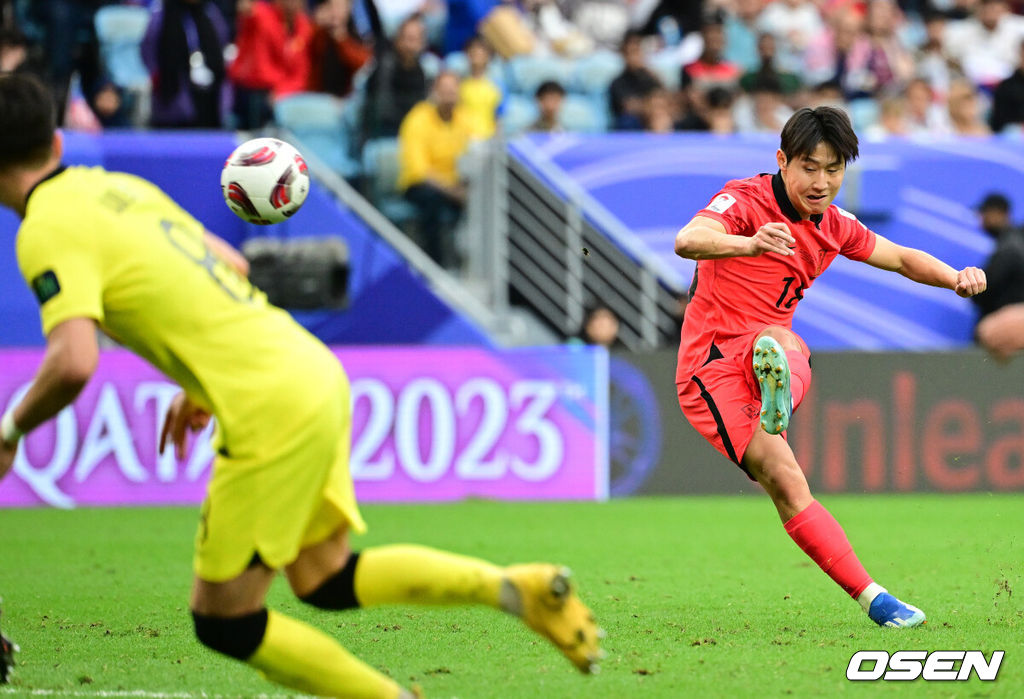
970, 281
771, 237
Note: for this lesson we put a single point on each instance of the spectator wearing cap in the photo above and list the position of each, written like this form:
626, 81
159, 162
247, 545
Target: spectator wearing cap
550, 96
1000, 328
1008, 98
627, 91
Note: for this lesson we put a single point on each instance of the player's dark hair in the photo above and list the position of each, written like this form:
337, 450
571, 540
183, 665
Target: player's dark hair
27, 120
809, 127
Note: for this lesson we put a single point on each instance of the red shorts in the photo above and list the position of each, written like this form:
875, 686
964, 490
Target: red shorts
722, 400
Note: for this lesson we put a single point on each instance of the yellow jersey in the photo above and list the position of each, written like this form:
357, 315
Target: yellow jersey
480, 98
115, 248
430, 147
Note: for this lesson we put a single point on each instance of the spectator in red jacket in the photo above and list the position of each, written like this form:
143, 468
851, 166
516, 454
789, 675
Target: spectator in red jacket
273, 57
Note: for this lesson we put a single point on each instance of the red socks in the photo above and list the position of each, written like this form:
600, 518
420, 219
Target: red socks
819, 535
800, 375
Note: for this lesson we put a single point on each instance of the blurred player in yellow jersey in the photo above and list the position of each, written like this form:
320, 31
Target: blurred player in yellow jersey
112, 250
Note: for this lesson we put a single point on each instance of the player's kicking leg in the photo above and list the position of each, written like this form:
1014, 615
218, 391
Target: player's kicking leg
330, 576
769, 459
783, 372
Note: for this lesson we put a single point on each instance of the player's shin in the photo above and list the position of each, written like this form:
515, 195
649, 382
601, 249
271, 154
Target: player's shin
298, 656
819, 535
404, 573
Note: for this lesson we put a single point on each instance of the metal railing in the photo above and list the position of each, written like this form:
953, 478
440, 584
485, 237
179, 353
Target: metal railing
561, 254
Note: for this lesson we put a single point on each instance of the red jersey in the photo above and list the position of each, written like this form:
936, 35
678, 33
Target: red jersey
735, 296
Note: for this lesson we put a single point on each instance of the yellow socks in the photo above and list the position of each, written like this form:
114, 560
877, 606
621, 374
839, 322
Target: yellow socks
404, 573
301, 657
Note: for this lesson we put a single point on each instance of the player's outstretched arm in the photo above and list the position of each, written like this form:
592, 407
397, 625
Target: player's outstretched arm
704, 238
70, 360
921, 267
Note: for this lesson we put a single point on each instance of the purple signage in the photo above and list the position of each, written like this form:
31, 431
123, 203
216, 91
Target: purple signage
428, 424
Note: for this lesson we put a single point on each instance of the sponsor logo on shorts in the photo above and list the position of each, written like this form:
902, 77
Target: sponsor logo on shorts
933, 666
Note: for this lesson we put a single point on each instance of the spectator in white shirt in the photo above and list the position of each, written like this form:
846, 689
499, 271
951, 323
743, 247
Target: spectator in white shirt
794, 23
986, 44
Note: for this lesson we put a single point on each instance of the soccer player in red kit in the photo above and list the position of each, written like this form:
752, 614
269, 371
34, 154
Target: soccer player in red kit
759, 246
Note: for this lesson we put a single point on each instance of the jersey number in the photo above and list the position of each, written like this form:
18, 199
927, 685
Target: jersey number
798, 293
224, 275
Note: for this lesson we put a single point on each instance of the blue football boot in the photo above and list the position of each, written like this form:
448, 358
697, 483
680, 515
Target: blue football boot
886, 610
771, 368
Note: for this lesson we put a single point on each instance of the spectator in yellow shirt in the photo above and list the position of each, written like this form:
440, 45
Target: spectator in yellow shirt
432, 138
478, 94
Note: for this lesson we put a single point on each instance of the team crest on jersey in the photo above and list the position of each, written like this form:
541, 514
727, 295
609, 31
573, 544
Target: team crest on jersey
721, 203
46, 286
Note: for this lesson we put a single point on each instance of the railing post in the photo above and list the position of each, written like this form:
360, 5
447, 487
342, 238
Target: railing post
573, 266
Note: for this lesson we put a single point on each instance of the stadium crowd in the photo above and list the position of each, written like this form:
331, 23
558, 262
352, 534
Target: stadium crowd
901, 68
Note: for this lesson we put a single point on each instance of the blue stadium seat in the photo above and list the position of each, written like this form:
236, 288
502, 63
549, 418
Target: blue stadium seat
593, 74
457, 62
518, 113
431, 65
863, 113
526, 73
380, 166
584, 114
120, 29
317, 120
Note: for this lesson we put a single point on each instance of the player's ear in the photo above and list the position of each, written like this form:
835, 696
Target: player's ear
781, 158
58, 144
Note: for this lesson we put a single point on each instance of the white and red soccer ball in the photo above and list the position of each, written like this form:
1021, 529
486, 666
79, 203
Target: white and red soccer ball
264, 181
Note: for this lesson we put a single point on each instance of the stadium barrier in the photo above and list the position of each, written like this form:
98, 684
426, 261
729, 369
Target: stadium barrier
872, 423
428, 425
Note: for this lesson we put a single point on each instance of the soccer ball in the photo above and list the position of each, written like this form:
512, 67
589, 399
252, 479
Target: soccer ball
264, 181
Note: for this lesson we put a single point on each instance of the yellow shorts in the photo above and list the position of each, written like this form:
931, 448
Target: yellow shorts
274, 498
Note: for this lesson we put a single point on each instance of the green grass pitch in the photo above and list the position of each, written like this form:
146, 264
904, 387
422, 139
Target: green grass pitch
699, 596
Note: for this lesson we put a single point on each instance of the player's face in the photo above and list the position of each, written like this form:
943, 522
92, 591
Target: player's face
812, 181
